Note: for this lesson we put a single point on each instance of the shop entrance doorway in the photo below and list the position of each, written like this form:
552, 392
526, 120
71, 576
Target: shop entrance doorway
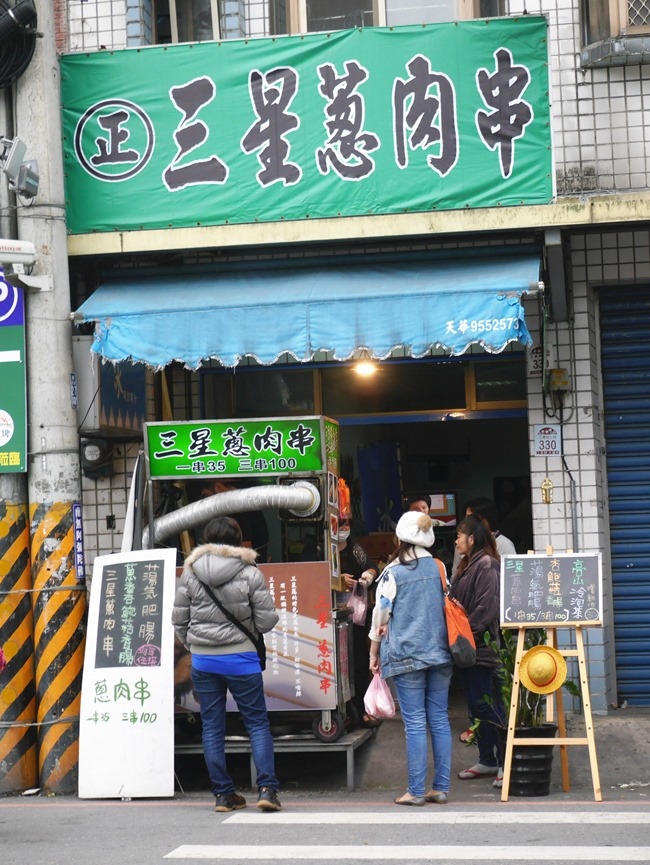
449, 461
438, 426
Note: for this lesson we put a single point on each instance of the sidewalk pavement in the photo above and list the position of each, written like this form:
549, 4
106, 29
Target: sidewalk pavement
622, 750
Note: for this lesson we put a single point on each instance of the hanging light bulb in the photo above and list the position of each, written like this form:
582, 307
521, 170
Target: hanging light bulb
365, 368
365, 365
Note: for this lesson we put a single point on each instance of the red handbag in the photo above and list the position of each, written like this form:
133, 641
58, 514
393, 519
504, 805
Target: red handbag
459, 632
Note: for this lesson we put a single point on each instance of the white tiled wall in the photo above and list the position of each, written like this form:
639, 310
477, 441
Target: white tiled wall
258, 17
96, 24
600, 134
597, 259
106, 497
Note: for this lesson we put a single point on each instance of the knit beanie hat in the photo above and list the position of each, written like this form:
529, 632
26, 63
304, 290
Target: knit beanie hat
416, 528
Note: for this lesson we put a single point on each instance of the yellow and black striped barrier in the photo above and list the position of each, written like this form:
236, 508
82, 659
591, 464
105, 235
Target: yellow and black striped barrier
59, 640
18, 751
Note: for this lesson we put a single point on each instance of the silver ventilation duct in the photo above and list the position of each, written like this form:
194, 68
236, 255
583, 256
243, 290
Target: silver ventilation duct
301, 498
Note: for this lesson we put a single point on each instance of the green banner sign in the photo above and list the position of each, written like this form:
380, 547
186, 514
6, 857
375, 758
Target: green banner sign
355, 122
13, 390
240, 448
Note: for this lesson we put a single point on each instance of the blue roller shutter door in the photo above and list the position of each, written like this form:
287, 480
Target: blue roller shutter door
625, 337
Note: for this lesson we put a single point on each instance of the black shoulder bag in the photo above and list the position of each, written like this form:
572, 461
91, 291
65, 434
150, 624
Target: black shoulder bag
257, 641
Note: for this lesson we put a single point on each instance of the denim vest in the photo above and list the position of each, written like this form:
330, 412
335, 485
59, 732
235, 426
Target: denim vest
417, 630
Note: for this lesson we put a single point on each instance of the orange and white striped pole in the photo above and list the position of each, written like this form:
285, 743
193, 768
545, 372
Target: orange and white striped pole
18, 750
59, 641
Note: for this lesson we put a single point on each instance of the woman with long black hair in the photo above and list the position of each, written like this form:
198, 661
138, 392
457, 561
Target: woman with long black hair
476, 587
357, 567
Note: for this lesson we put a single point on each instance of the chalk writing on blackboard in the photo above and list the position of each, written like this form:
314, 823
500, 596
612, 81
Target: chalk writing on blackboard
564, 589
129, 630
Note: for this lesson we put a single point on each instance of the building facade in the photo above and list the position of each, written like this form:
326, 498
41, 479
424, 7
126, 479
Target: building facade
471, 423
594, 252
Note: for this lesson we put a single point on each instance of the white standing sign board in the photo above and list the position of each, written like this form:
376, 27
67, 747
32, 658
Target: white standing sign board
126, 738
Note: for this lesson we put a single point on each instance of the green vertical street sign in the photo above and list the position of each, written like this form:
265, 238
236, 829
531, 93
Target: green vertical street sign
13, 381
259, 447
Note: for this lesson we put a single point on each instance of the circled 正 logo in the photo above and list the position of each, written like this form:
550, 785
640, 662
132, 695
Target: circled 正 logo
114, 140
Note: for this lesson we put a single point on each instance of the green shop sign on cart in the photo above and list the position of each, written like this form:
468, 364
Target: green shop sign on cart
373, 120
241, 448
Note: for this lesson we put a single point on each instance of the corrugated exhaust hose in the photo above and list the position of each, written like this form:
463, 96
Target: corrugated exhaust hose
301, 498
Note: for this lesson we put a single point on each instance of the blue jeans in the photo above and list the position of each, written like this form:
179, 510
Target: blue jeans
423, 701
483, 692
248, 693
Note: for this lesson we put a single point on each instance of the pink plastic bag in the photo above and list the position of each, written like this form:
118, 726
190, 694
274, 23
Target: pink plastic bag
3, 660
378, 700
358, 603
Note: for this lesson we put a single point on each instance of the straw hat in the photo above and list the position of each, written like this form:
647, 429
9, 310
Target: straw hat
542, 670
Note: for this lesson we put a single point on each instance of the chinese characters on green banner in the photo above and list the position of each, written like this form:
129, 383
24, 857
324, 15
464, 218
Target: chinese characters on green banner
350, 123
248, 448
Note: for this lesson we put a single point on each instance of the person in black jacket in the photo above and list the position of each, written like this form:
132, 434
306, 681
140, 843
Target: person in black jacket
476, 587
357, 566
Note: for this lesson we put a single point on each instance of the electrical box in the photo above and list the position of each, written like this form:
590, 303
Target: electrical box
86, 367
558, 380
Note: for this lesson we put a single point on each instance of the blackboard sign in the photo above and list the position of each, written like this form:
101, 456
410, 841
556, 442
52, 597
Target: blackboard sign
551, 590
130, 614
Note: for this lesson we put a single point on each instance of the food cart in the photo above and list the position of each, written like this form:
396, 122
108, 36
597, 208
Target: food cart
292, 465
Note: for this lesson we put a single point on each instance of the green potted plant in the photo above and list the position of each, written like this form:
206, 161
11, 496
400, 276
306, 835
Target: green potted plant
531, 765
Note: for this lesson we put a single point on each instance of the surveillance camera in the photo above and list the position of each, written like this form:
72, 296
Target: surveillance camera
12, 156
14, 252
26, 183
14, 274
15, 257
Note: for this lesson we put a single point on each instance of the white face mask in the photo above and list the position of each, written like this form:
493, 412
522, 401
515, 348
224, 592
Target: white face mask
344, 534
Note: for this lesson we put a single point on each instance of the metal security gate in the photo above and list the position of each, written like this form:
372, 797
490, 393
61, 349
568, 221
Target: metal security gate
625, 335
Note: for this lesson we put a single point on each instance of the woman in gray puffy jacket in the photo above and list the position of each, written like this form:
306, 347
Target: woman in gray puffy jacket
224, 658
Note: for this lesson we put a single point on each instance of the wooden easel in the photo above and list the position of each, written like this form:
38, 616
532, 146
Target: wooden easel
554, 698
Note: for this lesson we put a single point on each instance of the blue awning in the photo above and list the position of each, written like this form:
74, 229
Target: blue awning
448, 303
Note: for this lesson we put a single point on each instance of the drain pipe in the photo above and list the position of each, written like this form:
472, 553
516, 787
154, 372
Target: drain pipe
301, 498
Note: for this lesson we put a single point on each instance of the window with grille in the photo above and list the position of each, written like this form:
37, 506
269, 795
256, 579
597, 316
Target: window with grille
199, 20
613, 32
638, 13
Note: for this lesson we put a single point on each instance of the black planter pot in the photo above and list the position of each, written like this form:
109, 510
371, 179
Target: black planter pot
530, 773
